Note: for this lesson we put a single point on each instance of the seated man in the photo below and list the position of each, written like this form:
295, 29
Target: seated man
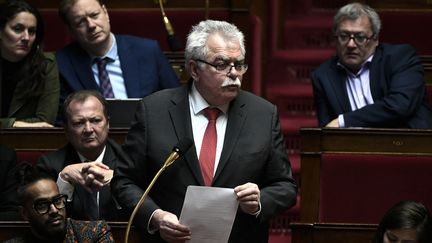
84, 167
369, 84
44, 207
116, 65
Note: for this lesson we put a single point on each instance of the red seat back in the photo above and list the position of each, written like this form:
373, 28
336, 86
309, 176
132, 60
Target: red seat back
361, 188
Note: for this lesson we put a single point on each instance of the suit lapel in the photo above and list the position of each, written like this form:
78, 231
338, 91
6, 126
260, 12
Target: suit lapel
132, 72
337, 78
82, 65
236, 118
374, 71
182, 125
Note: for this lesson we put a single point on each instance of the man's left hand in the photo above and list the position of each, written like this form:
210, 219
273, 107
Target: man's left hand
248, 196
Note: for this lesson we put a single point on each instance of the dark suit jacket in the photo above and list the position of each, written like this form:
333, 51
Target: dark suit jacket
37, 108
8, 185
397, 87
76, 231
145, 68
253, 151
53, 163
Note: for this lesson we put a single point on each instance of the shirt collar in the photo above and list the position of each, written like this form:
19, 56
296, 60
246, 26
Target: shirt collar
98, 159
364, 66
198, 103
112, 52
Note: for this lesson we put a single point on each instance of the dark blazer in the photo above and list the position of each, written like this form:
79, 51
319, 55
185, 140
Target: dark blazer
38, 108
253, 151
53, 163
8, 184
145, 68
397, 87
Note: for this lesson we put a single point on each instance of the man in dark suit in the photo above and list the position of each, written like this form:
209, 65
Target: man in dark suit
84, 167
44, 207
136, 67
248, 156
369, 84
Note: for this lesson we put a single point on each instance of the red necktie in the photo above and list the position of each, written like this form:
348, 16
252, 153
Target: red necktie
208, 147
104, 80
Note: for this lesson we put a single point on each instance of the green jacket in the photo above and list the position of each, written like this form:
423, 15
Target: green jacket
41, 108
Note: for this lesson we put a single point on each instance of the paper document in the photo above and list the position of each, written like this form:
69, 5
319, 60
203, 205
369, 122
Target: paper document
210, 213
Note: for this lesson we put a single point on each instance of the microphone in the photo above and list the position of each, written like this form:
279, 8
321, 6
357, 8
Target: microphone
179, 149
173, 43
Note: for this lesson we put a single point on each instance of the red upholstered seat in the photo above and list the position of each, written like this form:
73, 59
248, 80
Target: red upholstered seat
29, 156
360, 188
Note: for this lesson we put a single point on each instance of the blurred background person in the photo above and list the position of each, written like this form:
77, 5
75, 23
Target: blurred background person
406, 221
368, 83
44, 208
118, 66
83, 168
28, 78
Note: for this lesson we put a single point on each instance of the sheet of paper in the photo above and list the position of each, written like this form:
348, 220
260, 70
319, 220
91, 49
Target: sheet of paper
210, 213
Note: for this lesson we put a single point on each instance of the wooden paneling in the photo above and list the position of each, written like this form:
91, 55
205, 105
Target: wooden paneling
45, 139
10, 229
317, 141
332, 233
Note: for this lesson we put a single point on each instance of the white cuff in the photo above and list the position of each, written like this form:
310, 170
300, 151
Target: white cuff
65, 187
151, 229
341, 121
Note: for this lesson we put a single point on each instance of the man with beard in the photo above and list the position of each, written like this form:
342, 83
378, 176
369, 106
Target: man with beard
237, 136
44, 208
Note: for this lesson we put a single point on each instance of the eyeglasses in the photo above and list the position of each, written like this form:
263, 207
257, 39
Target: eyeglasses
42, 206
225, 67
359, 38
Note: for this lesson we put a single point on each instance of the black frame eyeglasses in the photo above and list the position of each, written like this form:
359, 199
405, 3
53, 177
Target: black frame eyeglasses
226, 67
359, 38
42, 206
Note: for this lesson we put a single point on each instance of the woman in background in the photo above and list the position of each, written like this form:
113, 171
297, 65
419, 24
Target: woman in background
29, 81
407, 221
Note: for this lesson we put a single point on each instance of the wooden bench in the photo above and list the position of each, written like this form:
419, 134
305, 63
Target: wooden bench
322, 149
10, 229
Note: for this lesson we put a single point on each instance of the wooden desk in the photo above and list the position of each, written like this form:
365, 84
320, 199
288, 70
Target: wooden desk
45, 139
332, 233
10, 229
316, 142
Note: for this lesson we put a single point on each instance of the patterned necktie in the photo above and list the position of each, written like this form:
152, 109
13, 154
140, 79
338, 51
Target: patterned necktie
208, 147
104, 80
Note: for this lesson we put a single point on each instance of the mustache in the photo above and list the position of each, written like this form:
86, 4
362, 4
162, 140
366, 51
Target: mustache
55, 218
230, 82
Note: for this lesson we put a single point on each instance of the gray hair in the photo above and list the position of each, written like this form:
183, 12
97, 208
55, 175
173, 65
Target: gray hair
196, 45
354, 11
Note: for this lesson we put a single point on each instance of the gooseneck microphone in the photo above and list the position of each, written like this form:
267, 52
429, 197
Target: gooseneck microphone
179, 149
173, 43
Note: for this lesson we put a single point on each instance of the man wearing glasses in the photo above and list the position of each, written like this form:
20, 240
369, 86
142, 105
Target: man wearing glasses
246, 150
369, 84
44, 207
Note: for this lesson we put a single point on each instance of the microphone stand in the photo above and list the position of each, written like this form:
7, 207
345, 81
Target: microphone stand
168, 162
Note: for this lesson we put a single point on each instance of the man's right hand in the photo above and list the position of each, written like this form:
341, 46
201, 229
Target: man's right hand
76, 174
169, 227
